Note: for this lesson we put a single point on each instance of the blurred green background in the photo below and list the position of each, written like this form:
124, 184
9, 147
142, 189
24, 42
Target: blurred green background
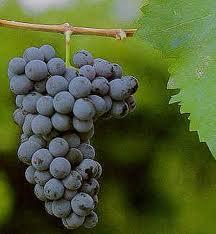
158, 178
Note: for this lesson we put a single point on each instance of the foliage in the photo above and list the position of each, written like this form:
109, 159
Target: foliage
6, 198
184, 31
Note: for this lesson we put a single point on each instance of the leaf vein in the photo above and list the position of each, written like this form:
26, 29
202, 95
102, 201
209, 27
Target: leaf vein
186, 22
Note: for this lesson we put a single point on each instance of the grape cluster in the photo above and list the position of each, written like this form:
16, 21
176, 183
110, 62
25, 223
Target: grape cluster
56, 110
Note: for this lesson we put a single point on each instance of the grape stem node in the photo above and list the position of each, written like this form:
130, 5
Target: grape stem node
66, 27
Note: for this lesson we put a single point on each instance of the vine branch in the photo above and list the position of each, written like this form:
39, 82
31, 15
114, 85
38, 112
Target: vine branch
63, 28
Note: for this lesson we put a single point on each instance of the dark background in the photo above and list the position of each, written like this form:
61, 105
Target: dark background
158, 178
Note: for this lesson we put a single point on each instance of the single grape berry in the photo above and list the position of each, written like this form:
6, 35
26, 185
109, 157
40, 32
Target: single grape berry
88, 71
42, 159
73, 221
91, 220
61, 208
99, 104
117, 71
19, 116
58, 147
27, 129
56, 66
89, 168
74, 156
36, 70
48, 51
91, 187
56, 84
70, 74
83, 58
80, 87
87, 151
29, 175
17, 66
100, 86
132, 84
72, 139
119, 110
63, 102
41, 177
48, 207
60, 168
84, 109
38, 139
53, 189
45, 105
82, 125
61, 122
73, 181
104, 68
118, 90
33, 53
39, 192
19, 100
20, 84
41, 125
82, 204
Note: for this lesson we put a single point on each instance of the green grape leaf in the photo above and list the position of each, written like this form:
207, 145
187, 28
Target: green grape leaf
185, 31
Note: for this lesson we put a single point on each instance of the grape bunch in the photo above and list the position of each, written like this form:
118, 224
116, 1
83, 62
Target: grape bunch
56, 110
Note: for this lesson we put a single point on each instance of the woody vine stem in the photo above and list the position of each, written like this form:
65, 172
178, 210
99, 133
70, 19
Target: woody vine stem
69, 30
